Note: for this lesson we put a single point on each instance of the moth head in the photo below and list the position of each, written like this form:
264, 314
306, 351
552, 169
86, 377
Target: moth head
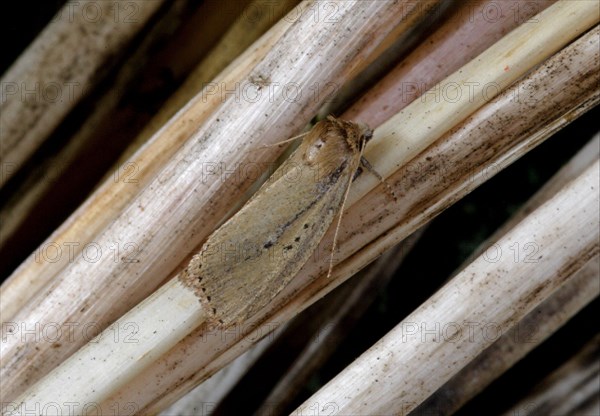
366, 134
357, 135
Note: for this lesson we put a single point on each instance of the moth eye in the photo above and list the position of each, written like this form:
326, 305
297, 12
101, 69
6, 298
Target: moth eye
313, 152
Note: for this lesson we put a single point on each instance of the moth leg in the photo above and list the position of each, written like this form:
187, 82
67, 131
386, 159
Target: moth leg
365, 163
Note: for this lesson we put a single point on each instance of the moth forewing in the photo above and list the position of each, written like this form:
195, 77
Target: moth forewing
251, 257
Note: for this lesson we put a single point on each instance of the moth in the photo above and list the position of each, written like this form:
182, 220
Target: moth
246, 262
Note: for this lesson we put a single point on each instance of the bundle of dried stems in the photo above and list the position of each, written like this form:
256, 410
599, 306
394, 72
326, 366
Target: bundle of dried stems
146, 258
117, 114
432, 152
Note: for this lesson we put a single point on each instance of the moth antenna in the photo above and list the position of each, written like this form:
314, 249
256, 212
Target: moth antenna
365, 163
337, 228
339, 221
278, 143
291, 139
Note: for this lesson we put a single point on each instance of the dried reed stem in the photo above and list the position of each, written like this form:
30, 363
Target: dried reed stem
512, 346
469, 31
539, 324
57, 69
452, 327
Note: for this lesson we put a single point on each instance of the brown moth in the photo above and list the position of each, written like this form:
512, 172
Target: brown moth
248, 260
